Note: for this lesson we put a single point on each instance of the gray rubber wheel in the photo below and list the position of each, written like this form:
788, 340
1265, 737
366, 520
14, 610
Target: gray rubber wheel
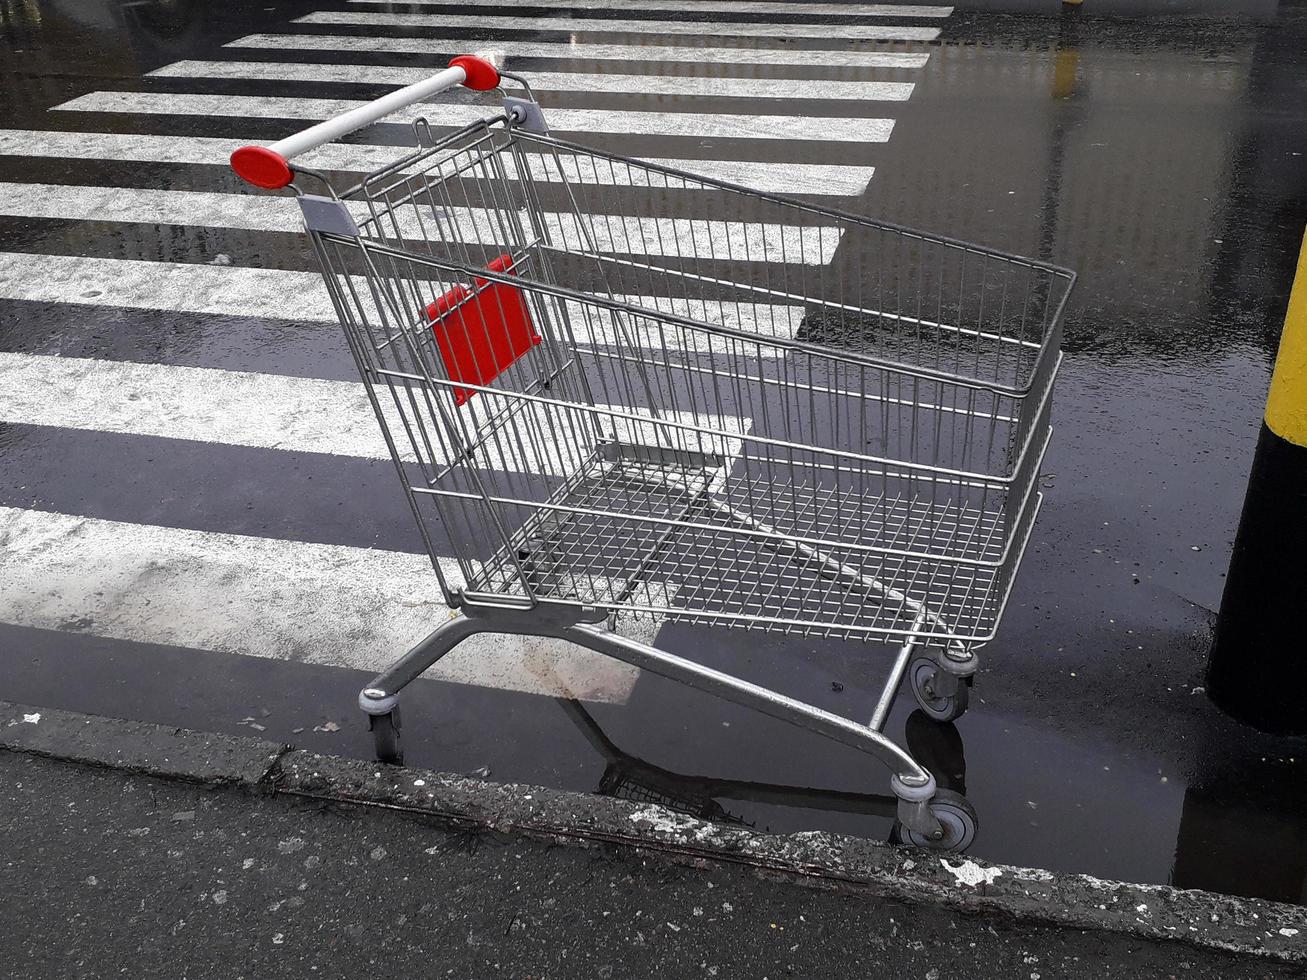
956, 816
385, 738
921, 675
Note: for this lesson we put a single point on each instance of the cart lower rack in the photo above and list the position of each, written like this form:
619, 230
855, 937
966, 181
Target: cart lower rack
616, 390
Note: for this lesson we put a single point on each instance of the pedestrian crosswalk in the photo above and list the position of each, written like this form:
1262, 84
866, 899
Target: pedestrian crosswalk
792, 97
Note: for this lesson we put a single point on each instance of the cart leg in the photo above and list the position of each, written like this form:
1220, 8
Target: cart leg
380, 699
927, 818
384, 726
891, 689
953, 672
941, 682
914, 805
913, 785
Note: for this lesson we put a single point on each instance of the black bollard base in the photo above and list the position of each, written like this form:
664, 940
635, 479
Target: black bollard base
1256, 670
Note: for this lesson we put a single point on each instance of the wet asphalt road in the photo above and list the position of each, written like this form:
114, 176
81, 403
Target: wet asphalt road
1161, 158
224, 883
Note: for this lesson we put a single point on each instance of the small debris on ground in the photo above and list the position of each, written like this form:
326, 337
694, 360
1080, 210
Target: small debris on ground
970, 873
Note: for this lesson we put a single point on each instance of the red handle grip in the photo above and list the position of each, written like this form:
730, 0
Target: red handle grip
481, 74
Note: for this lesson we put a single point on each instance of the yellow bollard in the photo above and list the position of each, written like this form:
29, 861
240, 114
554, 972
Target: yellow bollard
1260, 649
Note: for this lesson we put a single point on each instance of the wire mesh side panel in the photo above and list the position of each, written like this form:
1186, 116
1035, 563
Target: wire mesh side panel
414, 315
761, 264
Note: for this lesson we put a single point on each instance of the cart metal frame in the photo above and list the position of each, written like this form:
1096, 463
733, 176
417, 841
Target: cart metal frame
614, 389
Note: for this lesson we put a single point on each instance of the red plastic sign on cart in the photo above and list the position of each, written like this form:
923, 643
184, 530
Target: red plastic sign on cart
481, 336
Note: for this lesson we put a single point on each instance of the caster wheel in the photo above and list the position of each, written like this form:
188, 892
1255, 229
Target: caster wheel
922, 674
957, 818
385, 738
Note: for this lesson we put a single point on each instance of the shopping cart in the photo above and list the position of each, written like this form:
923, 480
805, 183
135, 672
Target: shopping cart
615, 390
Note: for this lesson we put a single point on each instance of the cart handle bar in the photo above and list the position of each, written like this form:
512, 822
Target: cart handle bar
269, 166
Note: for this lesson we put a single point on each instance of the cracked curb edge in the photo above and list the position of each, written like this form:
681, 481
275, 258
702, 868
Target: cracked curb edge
1250, 927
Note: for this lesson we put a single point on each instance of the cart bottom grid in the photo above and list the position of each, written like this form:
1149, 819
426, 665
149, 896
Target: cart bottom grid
676, 543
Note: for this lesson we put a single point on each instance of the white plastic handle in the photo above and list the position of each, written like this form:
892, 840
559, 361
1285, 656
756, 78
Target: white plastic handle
269, 166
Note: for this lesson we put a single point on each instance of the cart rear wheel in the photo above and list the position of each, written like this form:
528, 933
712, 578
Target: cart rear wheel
938, 707
957, 818
385, 738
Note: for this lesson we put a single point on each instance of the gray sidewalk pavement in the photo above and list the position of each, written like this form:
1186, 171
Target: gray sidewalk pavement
109, 872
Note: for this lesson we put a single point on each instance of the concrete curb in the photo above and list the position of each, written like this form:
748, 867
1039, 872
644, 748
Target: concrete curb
1206, 919
137, 747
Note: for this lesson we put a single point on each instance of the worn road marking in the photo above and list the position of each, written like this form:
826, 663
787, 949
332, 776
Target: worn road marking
266, 294
581, 50
699, 238
714, 6
780, 178
695, 124
330, 605
697, 28
263, 411
750, 88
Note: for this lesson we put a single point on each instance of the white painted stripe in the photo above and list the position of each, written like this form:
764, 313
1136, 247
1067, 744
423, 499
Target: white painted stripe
206, 209
698, 238
779, 178
488, 21
714, 6
752, 88
583, 51
267, 294
233, 408
699, 125
322, 604
271, 411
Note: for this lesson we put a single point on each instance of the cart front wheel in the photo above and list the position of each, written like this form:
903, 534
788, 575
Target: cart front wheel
385, 738
924, 677
957, 820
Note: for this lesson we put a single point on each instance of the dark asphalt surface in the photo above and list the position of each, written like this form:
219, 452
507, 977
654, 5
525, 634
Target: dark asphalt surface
106, 874
1161, 157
